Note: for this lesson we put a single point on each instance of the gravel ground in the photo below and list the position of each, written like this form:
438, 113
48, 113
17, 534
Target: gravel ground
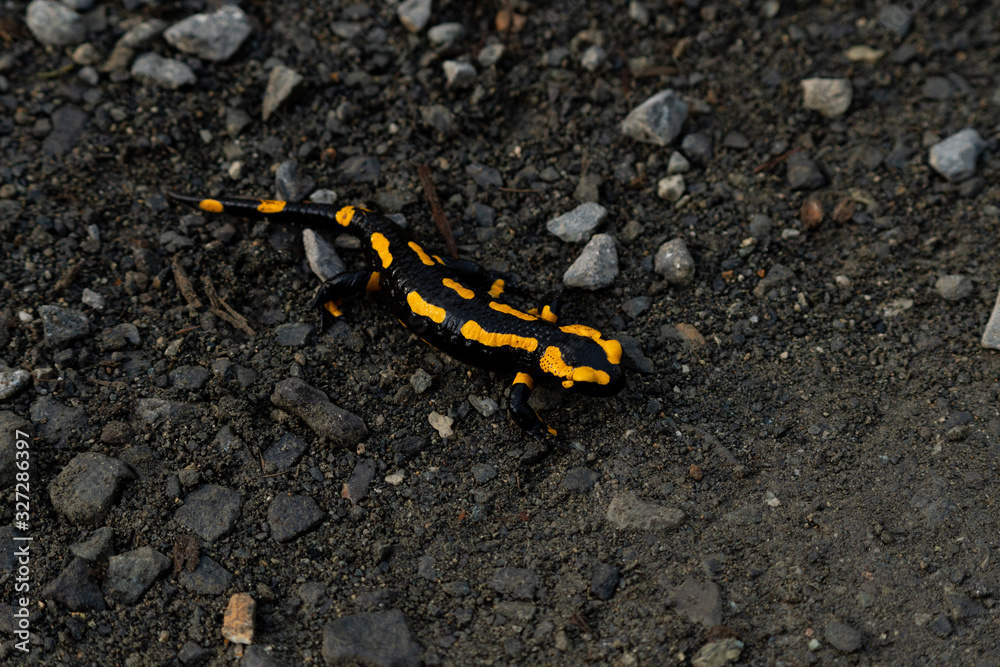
801, 470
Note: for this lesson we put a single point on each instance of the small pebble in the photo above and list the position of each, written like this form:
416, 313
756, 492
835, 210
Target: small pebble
674, 262
238, 621
282, 83
955, 157
13, 381
578, 224
677, 164
164, 72
597, 265
830, 97
658, 120
414, 14
55, 24
446, 33
991, 335
214, 36
671, 188
458, 75
698, 148
420, 380
442, 424
803, 173
322, 257
953, 287
811, 213
485, 406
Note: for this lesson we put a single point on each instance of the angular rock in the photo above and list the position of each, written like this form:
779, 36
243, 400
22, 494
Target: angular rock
282, 83
580, 480
515, 582
671, 188
830, 97
604, 580
991, 334
361, 478
158, 411
697, 148
677, 164
955, 157
238, 621
165, 72
75, 588
208, 578
699, 603
361, 169
210, 511
658, 120
597, 265
85, 489
953, 287
12, 381
189, 378
446, 33
842, 637
626, 512
803, 173
314, 408
322, 257
485, 176
68, 123
718, 653
120, 336
458, 75
291, 516
131, 574
57, 423
674, 262
214, 36
379, 638
414, 14
62, 325
776, 275
578, 224
55, 24
99, 545
292, 334
286, 452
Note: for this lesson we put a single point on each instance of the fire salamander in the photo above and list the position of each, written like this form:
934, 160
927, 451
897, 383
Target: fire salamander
454, 305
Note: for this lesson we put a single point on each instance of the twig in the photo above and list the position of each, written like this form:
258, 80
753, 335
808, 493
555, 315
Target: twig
184, 285
430, 192
776, 161
68, 276
656, 70
222, 309
531, 190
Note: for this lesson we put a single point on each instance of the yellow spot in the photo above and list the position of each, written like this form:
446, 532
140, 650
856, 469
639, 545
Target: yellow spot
472, 331
504, 308
548, 315
424, 257
612, 348
379, 242
438, 259
210, 205
345, 215
332, 308
463, 292
373, 282
421, 307
552, 363
524, 378
497, 288
552, 431
271, 206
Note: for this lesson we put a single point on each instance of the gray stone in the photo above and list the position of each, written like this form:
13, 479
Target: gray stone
120, 336
955, 157
210, 511
671, 188
446, 33
674, 262
68, 123
658, 120
192, 653
991, 334
491, 54
378, 638
699, 603
293, 334
75, 588
484, 472
604, 580
458, 75
62, 325
291, 516
420, 381
157, 411
323, 196
131, 574
578, 224
414, 14
189, 378
314, 408
99, 545
55, 24
282, 83
803, 173
485, 406
736, 140
626, 512
776, 275
842, 637
830, 97
677, 164
10, 423
13, 381
588, 189
636, 306
514, 582
485, 176
938, 88
286, 452
322, 257
141, 35
85, 489
258, 656
164, 72
361, 169
361, 478
286, 181
597, 265
236, 120
718, 653
593, 58
897, 18
953, 287
940, 626
207, 578
633, 356
580, 480
58, 423
212, 36
698, 148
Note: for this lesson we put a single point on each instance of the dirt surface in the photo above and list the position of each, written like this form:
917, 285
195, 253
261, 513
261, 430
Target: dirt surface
831, 437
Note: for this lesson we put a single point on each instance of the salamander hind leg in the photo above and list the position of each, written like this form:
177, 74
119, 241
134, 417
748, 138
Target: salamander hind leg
331, 293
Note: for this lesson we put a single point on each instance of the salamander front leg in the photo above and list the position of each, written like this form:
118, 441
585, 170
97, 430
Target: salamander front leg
332, 292
524, 416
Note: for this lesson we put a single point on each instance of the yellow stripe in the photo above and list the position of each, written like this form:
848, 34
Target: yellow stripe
210, 205
524, 378
504, 308
553, 364
345, 215
612, 348
548, 315
421, 307
271, 206
472, 331
497, 288
380, 243
373, 282
424, 257
463, 292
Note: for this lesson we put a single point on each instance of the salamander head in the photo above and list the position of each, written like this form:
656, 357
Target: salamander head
585, 362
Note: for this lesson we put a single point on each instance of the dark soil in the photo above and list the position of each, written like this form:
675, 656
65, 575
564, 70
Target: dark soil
835, 453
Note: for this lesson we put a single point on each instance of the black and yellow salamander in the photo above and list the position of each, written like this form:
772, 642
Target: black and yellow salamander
454, 305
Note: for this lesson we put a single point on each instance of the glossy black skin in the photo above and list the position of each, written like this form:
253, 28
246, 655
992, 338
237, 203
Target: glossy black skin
407, 272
